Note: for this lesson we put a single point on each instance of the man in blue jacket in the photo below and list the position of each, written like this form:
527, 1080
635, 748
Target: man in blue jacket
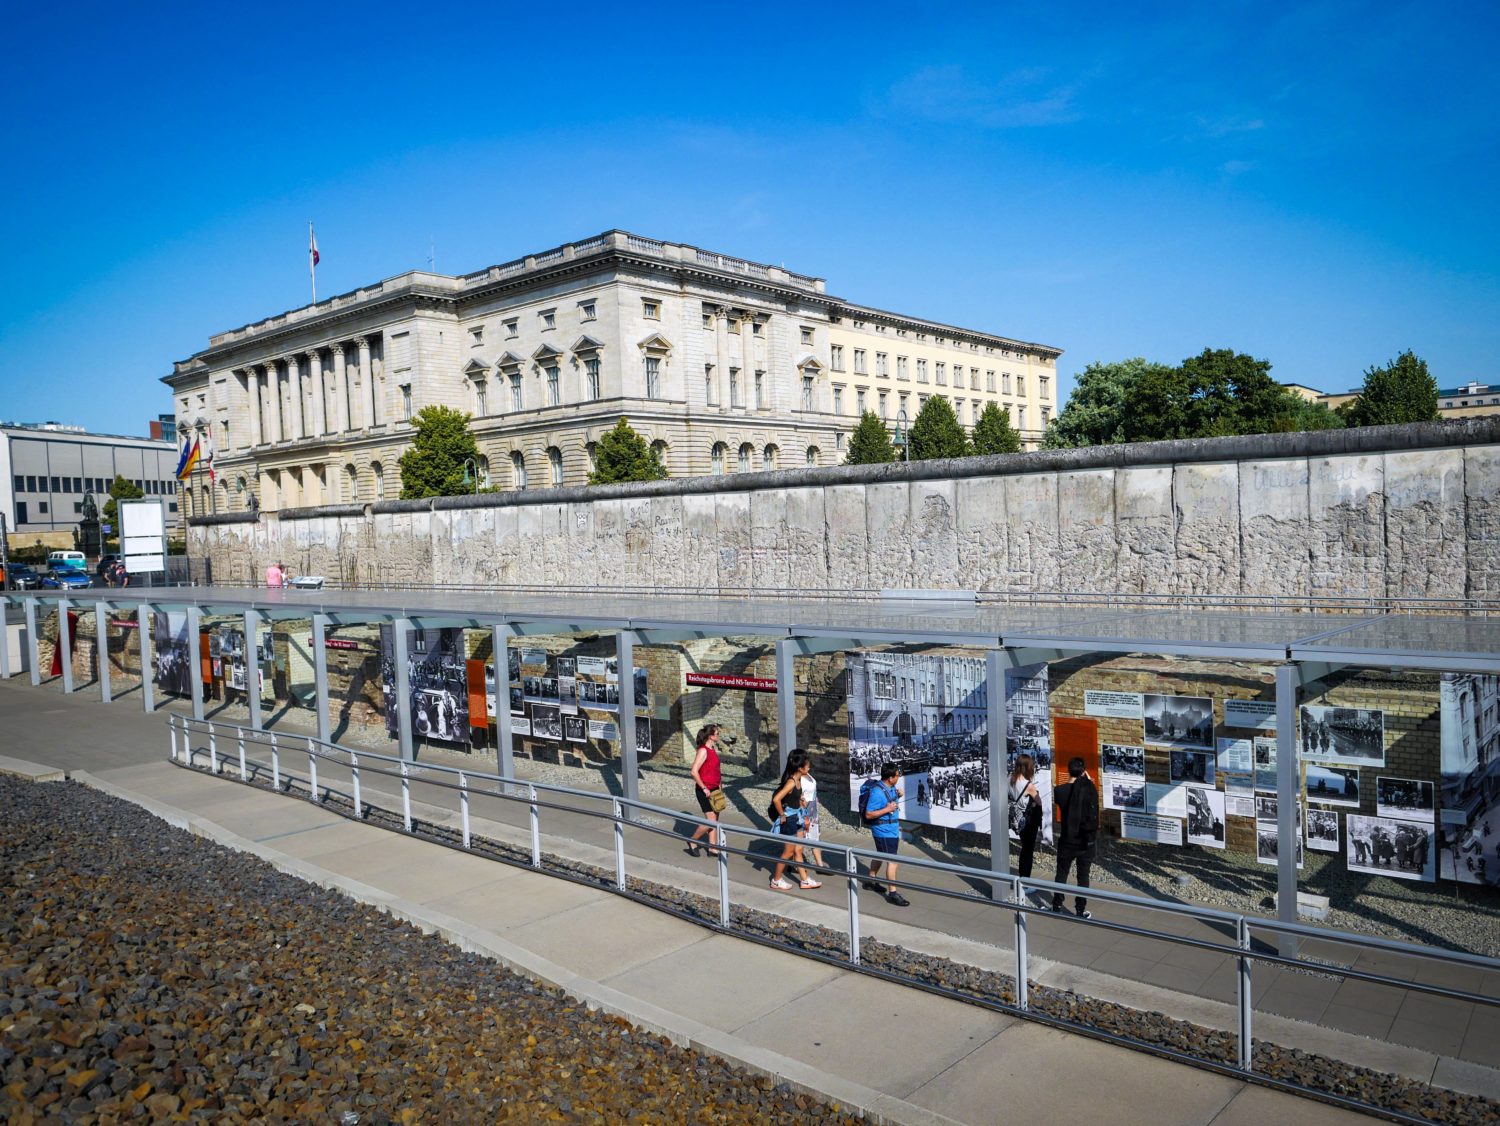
880, 804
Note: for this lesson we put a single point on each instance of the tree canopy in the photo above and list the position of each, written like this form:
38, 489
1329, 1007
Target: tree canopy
993, 433
936, 432
1401, 391
623, 455
1217, 393
870, 444
434, 465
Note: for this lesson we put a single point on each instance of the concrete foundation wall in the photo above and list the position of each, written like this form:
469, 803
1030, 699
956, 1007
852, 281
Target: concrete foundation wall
1386, 512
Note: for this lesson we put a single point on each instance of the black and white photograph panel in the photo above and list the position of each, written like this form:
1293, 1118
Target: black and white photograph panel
642, 736
565, 666
1268, 844
546, 721
1353, 736
169, 637
1205, 817
1123, 793
1323, 830
567, 693
1122, 760
1265, 807
517, 701
1191, 766
437, 683
642, 691
1333, 785
575, 728
1179, 721
1408, 799
1384, 846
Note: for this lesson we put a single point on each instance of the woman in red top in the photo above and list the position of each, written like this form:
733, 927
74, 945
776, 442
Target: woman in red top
706, 778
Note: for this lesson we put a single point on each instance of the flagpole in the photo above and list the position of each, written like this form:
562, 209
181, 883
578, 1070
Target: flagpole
312, 260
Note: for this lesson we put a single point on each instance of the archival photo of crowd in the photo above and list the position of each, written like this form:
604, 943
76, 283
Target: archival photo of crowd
1323, 830
169, 638
1406, 799
1184, 722
1351, 736
1383, 846
1268, 834
437, 680
1469, 785
929, 716
233, 665
1333, 785
1029, 732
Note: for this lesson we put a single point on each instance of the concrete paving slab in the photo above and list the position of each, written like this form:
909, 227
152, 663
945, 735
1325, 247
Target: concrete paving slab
1361, 1022
35, 771
1037, 1074
1256, 1106
815, 1028
1436, 1038
331, 838
513, 899
724, 982
1384, 999
607, 936
414, 870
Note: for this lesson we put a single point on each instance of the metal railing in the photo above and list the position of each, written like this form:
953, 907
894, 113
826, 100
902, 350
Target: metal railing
228, 748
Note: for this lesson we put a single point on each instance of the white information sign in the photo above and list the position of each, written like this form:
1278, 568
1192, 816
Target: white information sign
1258, 715
1113, 705
1146, 827
1236, 755
143, 535
1166, 801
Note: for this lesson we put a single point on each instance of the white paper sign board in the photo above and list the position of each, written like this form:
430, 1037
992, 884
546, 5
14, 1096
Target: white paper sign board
1113, 705
1146, 827
143, 526
1257, 715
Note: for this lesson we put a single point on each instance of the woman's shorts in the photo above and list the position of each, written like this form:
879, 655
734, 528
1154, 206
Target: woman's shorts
703, 803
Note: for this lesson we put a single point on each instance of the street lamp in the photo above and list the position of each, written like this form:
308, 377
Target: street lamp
903, 434
471, 479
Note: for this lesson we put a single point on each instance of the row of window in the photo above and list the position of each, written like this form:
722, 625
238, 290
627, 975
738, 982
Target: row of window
96, 485
940, 341
546, 319
939, 372
745, 458
43, 508
974, 407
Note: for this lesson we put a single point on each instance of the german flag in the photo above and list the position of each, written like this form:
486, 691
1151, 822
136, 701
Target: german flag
189, 459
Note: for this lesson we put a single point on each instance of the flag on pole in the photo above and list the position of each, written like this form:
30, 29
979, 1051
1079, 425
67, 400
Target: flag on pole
312, 244
208, 455
189, 459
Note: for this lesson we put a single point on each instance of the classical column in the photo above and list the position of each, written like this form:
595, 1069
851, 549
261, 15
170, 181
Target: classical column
252, 391
340, 389
320, 413
367, 373
294, 380
747, 365
273, 399
721, 355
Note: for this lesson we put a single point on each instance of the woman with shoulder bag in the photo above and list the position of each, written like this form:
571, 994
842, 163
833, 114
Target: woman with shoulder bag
786, 813
707, 778
1026, 810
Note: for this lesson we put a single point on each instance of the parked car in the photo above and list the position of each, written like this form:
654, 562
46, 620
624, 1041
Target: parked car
106, 562
23, 576
66, 579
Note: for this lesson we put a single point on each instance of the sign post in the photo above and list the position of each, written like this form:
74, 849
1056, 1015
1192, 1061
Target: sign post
143, 536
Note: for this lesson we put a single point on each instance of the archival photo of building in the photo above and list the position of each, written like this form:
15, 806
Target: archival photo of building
724, 365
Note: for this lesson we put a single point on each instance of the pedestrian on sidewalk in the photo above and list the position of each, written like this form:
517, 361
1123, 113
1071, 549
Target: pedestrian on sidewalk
787, 817
880, 810
812, 830
1026, 805
708, 776
275, 576
1078, 807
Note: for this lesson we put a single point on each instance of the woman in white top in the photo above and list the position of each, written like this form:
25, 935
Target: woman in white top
1023, 790
810, 810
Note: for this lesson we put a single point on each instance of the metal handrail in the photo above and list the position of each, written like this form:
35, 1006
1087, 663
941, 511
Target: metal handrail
529, 793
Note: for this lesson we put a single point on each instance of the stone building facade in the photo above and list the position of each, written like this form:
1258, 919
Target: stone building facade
725, 365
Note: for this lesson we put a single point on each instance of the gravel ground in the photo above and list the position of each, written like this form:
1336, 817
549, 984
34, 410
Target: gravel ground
146, 974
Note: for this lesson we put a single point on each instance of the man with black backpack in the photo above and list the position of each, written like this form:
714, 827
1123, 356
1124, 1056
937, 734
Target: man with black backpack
1078, 807
880, 809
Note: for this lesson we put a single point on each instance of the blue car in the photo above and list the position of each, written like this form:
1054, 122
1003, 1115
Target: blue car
66, 580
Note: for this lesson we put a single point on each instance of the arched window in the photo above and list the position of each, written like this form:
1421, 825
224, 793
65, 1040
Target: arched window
592, 449
747, 451
241, 488
187, 501
716, 459
555, 465
224, 494
483, 465
659, 448
518, 469
812, 455
351, 484
768, 457
204, 502
377, 471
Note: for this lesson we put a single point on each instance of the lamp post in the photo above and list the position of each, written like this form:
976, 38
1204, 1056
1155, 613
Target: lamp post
903, 434
471, 479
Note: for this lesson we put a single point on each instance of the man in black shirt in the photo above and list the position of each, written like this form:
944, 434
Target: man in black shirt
1078, 806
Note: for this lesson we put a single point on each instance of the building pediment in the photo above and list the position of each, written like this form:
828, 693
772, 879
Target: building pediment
656, 342
810, 364
510, 360
474, 369
587, 343
544, 353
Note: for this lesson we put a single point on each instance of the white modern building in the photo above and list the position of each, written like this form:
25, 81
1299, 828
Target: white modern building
46, 469
725, 365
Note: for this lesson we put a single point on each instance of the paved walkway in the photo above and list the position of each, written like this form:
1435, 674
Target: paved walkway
772, 1010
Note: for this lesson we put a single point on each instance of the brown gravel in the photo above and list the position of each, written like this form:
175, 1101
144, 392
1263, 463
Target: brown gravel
149, 975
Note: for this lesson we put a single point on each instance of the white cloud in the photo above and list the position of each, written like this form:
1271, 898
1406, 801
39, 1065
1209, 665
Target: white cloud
1021, 99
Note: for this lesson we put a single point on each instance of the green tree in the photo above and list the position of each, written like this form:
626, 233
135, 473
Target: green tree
1095, 412
870, 444
434, 465
622, 455
119, 489
993, 433
936, 432
1313, 416
1401, 391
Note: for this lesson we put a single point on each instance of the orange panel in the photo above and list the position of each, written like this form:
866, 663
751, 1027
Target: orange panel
1074, 738
478, 698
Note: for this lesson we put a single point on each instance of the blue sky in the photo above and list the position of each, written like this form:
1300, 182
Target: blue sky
1313, 184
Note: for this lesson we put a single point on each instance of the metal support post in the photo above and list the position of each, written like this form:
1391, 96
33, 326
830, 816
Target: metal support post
148, 660
997, 719
400, 640
463, 806
320, 675
851, 866
630, 781
406, 796
252, 667
1245, 999
619, 838
4, 618
536, 826
1023, 976
504, 743
101, 648
33, 660
195, 658
359, 805
723, 881
244, 766
1287, 776
312, 772
65, 644
786, 702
